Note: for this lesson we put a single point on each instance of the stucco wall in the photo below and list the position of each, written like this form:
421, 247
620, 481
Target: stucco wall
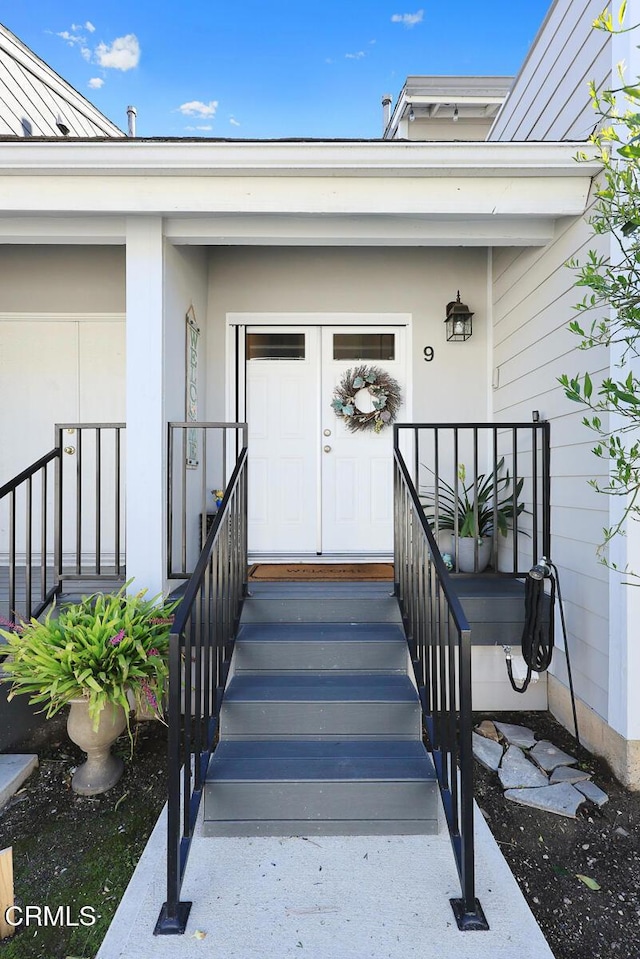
416, 281
62, 279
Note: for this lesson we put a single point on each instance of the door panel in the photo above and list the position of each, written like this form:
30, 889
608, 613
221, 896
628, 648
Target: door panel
357, 472
310, 492
282, 413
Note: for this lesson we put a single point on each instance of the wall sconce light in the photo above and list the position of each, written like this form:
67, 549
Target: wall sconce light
412, 115
458, 321
455, 113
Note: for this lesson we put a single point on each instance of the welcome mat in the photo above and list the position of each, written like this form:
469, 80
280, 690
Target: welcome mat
338, 572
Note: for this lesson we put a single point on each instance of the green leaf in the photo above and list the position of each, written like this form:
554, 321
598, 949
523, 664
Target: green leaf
589, 882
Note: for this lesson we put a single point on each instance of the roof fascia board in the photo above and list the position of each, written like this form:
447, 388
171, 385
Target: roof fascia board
123, 157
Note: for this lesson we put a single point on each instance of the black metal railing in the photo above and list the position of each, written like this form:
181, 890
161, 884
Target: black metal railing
201, 644
63, 518
439, 640
27, 529
200, 459
90, 501
485, 488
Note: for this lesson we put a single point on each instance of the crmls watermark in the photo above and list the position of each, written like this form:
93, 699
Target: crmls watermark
46, 916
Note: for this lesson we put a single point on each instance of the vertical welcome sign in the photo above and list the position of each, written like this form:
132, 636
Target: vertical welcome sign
193, 336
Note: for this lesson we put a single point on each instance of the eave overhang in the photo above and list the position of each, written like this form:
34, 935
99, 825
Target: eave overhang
353, 192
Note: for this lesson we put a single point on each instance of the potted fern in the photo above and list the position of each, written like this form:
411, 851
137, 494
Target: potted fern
480, 505
99, 656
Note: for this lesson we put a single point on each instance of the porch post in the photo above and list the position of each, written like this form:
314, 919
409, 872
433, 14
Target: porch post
145, 410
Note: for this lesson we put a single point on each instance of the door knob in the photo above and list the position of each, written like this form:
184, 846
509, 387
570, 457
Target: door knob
70, 450
327, 432
327, 449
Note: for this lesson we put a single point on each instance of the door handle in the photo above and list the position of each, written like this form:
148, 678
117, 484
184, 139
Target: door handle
70, 450
327, 449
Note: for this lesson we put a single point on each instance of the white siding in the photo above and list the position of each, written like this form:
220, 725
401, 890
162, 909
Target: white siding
550, 98
534, 296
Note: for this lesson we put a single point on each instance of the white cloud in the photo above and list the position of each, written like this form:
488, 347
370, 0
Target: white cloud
204, 126
122, 54
234, 122
96, 82
355, 56
90, 27
198, 109
86, 53
70, 38
408, 19
328, 60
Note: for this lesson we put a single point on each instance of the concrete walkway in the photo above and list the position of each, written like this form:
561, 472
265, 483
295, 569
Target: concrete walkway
325, 898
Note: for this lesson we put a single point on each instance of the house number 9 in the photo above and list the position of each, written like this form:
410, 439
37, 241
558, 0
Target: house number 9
428, 354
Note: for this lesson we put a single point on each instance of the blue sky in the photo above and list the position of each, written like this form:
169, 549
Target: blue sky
266, 68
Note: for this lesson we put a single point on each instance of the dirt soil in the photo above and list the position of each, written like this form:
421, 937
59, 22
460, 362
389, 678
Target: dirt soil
548, 853
74, 851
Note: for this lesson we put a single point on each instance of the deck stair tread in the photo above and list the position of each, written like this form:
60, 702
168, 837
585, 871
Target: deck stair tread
320, 727
359, 609
314, 760
323, 686
320, 632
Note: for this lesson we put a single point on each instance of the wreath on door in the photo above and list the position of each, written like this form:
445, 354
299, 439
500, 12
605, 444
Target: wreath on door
367, 398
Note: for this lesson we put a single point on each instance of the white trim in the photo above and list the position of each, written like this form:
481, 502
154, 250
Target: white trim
11, 316
122, 156
319, 319
376, 229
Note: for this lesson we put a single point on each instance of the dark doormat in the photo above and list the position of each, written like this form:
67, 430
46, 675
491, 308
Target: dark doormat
336, 572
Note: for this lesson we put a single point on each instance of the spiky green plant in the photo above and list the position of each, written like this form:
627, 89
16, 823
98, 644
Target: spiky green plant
101, 649
497, 503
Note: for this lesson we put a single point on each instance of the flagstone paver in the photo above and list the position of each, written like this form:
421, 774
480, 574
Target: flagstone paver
567, 774
517, 772
562, 799
593, 793
487, 752
549, 756
517, 735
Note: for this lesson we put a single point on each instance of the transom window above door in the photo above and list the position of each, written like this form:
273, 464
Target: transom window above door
275, 346
364, 346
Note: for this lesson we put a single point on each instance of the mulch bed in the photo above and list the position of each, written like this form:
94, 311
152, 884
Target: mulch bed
547, 853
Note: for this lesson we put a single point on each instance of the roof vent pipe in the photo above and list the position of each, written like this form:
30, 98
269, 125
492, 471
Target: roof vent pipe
132, 114
386, 110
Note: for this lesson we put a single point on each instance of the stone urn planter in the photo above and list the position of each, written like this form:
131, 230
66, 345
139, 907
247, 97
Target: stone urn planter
101, 770
466, 554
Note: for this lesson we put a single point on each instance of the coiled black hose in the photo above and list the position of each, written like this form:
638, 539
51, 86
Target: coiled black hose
537, 633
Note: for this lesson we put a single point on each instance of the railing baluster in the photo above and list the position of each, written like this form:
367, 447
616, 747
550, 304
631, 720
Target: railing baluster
440, 645
204, 629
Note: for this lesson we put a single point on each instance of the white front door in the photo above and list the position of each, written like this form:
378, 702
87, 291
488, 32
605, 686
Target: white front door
314, 486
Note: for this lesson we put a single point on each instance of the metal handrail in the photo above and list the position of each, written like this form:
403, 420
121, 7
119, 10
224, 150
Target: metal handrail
439, 638
96, 482
200, 455
69, 526
200, 649
521, 506
11, 494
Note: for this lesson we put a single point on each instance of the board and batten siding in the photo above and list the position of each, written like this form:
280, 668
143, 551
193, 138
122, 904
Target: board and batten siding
549, 99
33, 98
534, 300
